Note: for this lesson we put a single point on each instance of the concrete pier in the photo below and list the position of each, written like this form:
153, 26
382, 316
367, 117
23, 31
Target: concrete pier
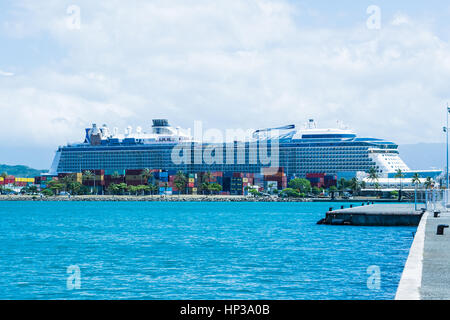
375, 215
426, 275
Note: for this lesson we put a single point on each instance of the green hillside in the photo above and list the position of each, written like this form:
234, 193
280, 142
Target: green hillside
20, 171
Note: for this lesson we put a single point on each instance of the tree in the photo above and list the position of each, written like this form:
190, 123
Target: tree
290, 193
363, 184
133, 189
416, 179
32, 189
114, 188
74, 187
204, 187
342, 185
214, 187
65, 182
141, 189
316, 191
373, 175
55, 186
153, 188
116, 175
300, 184
399, 174
180, 181
355, 186
88, 175
254, 192
428, 183
207, 177
146, 174
377, 187
4, 175
333, 191
47, 192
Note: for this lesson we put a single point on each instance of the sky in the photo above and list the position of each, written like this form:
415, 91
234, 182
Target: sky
380, 67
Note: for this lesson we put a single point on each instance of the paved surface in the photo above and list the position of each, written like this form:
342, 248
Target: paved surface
427, 271
436, 260
380, 209
398, 214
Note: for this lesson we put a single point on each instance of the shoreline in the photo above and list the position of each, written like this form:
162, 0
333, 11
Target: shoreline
181, 198
154, 198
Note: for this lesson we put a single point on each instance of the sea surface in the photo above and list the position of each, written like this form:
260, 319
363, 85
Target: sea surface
170, 250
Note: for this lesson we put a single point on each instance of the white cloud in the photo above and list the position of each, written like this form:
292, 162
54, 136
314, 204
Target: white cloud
6, 74
229, 63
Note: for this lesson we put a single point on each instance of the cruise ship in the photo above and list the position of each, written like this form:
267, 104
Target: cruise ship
301, 151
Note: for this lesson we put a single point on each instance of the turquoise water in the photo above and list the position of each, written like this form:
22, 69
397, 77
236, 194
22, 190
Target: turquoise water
135, 250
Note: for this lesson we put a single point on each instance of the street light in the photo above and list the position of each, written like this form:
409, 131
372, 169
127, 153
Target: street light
446, 131
446, 168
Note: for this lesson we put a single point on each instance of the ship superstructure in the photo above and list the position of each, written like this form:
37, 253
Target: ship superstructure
301, 151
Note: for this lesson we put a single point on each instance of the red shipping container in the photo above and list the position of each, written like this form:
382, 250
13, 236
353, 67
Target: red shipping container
315, 175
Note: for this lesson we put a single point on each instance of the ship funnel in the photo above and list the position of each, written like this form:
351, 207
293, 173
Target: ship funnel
312, 124
95, 129
160, 123
95, 135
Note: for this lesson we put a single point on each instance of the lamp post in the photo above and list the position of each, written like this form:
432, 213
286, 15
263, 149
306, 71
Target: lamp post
446, 145
446, 131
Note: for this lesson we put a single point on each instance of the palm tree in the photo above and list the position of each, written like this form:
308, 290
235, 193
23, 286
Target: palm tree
207, 177
66, 182
180, 181
88, 175
428, 183
333, 190
416, 179
400, 175
342, 185
153, 188
145, 174
362, 184
373, 175
377, 187
116, 175
355, 185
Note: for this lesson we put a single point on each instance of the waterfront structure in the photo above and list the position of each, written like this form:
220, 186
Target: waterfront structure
300, 152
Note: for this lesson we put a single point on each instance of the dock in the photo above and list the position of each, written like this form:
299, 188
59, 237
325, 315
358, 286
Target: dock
426, 275
400, 214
